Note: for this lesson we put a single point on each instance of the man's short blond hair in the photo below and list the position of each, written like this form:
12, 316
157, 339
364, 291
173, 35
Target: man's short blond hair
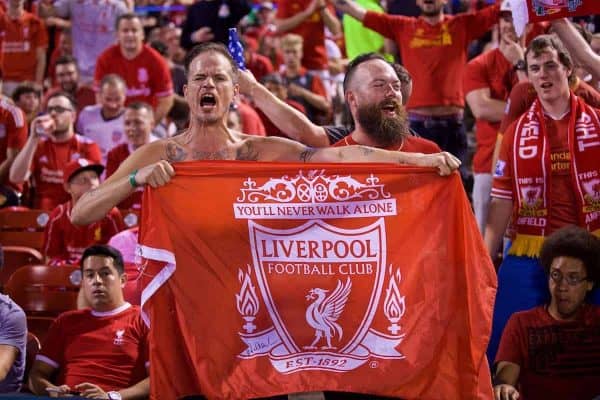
291, 40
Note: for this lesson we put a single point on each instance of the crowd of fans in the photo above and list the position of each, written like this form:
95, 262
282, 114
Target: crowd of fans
86, 83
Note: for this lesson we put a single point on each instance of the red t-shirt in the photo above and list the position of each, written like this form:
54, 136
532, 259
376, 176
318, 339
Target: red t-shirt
147, 75
47, 167
22, 38
251, 122
489, 70
563, 204
523, 94
410, 144
270, 127
434, 55
13, 128
108, 349
259, 65
558, 359
64, 242
114, 158
312, 30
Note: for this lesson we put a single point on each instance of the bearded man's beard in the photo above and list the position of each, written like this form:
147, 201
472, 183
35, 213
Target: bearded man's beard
385, 130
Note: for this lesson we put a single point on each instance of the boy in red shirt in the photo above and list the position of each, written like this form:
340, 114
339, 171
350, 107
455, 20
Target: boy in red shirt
64, 242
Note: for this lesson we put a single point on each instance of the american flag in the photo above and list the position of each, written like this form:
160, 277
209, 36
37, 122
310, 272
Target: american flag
235, 48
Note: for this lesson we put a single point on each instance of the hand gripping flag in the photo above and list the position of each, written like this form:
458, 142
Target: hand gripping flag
235, 49
529, 11
273, 278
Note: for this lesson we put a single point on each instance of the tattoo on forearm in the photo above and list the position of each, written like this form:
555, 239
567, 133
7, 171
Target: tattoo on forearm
307, 154
247, 152
175, 152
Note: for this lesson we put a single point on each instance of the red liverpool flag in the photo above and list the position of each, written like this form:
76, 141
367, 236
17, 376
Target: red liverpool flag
529, 11
271, 278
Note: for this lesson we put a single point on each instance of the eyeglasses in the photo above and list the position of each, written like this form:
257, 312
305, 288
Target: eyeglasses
58, 109
572, 280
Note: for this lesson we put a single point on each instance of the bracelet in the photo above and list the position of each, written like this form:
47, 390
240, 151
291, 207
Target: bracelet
132, 180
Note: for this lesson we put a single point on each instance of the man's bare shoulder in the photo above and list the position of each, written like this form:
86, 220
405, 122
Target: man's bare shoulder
270, 148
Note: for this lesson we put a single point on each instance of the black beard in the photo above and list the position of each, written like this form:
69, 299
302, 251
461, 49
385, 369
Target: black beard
385, 131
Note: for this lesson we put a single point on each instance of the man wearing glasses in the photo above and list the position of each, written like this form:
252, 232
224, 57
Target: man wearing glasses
51, 145
552, 351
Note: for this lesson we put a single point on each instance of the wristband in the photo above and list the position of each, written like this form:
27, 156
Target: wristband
132, 180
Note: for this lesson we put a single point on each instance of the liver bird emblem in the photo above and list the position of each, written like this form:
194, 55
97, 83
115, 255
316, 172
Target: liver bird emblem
325, 310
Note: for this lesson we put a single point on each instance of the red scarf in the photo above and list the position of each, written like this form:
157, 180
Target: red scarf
532, 177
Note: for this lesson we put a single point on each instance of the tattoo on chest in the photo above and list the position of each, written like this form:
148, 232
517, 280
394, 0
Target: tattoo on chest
175, 152
366, 150
307, 154
211, 155
247, 153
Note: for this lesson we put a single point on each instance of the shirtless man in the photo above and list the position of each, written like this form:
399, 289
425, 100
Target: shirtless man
211, 87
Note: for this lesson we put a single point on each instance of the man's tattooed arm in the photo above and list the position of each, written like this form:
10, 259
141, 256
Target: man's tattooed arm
175, 152
247, 152
307, 154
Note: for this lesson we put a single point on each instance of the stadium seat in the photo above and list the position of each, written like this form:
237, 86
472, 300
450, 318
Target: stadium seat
16, 257
20, 226
44, 292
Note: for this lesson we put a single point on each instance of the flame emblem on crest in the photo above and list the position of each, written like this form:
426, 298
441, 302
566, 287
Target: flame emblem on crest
393, 305
247, 301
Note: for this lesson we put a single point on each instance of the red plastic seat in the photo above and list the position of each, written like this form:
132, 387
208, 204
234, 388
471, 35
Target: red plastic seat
16, 257
44, 291
21, 226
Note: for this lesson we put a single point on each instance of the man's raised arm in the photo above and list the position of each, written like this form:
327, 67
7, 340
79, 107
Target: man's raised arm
351, 8
577, 46
290, 121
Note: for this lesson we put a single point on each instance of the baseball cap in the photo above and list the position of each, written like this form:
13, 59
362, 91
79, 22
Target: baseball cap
505, 6
82, 164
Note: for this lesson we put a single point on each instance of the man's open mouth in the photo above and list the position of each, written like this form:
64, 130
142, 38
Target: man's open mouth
208, 100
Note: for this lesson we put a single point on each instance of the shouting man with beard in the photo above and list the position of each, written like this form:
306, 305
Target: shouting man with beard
373, 93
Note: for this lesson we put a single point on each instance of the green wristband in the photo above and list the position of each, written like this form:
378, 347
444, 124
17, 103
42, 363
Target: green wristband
132, 180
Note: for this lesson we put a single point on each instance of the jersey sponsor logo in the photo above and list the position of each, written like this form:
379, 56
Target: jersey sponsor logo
347, 302
16, 47
425, 39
